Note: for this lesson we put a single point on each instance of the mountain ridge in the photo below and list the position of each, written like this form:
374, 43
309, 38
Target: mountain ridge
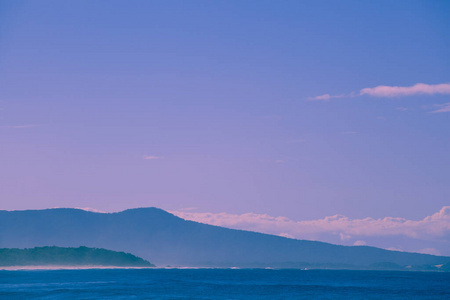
165, 239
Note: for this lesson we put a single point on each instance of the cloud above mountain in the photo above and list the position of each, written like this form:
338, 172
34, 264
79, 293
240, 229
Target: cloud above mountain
432, 230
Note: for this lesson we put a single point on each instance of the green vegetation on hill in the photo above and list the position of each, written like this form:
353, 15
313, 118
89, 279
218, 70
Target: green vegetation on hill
59, 256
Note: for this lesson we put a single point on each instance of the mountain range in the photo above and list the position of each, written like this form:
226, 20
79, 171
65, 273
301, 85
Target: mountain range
165, 239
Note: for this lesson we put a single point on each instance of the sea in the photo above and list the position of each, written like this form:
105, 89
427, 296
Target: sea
222, 284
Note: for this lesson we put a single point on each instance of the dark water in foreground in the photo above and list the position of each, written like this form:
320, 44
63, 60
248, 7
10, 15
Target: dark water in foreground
222, 284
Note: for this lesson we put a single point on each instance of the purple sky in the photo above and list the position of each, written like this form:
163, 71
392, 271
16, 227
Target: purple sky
300, 109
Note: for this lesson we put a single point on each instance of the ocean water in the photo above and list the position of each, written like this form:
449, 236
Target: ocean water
222, 284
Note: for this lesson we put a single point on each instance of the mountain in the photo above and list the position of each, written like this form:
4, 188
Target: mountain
58, 256
165, 239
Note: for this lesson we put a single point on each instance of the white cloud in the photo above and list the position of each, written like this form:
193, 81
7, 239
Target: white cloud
394, 91
90, 209
443, 108
287, 235
395, 249
430, 229
151, 157
359, 243
327, 97
401, 91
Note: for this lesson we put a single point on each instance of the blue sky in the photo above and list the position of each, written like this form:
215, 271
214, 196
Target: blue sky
209, 105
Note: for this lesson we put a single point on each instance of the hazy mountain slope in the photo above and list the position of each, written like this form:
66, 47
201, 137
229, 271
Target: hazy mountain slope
165, 239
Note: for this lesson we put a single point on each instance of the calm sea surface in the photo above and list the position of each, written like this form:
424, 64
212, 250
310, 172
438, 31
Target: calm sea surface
222, 284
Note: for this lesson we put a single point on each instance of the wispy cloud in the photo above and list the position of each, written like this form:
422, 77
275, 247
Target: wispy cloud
151, 157
359, 243
443, 108
385, 91
401, 91
91, 209
327, 97
355, 231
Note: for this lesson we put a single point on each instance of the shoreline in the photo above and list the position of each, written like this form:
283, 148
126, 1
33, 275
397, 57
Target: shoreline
57, 267
95, 267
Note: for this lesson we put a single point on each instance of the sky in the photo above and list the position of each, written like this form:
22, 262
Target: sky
293, 109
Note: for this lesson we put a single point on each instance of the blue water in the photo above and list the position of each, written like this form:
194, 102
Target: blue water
222, 284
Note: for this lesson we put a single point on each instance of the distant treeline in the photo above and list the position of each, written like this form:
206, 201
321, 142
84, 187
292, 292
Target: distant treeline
43, 256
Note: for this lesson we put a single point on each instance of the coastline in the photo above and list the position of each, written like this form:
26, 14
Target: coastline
56, 267
94, 267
